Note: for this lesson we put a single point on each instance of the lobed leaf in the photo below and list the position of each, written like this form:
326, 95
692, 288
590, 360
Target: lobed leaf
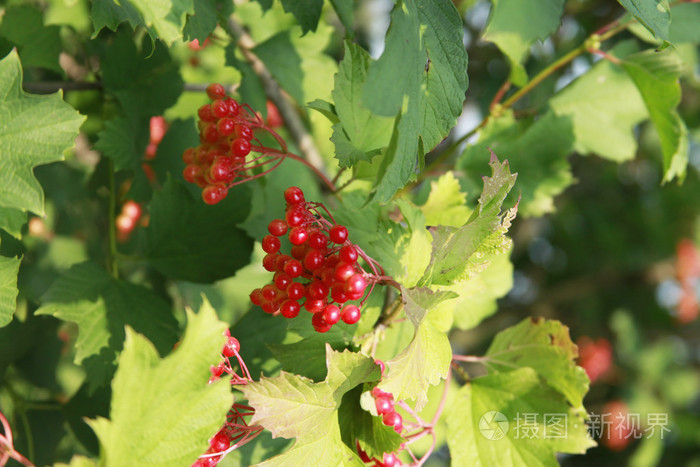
163, 411
38, 45
306, 12
655, 15
34, 130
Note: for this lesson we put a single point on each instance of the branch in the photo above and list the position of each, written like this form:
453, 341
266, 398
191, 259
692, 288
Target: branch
291, 118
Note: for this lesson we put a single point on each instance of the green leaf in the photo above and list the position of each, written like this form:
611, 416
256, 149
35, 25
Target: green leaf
163, 20
124, 140
291, 406
446, 204
513, 419
544, 346
282, 59
655, 15
203, 22
484, 232
145, 81
656, 75
101, 306
9, 267
34, 130
12, 220
345, 11
684, 27
189, 240
163, 411
324, 108
427, 358
37, 44
306, 12
421, 77
514, 27
538, 152
361, 134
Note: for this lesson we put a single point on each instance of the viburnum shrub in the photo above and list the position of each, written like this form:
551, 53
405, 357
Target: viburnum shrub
442, 199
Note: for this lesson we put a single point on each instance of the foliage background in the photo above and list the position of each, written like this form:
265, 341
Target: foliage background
594, 246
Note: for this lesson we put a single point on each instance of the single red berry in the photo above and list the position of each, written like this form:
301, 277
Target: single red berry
392, 419
220, 170
233, 107
214, 193
216, 91
318, 240
282, 280
188, 156
384, 405
277, 227
338, 294
281, 261
294, 216
211, 134
271, 306
219, 108
205, 113
294, 195
331, 314
217, 370
299, 251
220, 442
294, 268
225, 126
256, 297
271, 244
269, 292
269, 262
244, 131
338, 234
317, 290
355, 284
343, 272
350, 314
205, 462
295, 291
240, 147
313, 306
376, 392
191, 172
313, 259
390, 460
297, 235
231, 347
290, 308
348, 254
319, 324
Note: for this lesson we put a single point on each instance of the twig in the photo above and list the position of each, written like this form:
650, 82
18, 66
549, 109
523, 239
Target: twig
291, 119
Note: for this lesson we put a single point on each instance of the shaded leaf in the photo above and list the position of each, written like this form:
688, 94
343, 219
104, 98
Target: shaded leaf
9, 267
655, 15
37, 44
306, 12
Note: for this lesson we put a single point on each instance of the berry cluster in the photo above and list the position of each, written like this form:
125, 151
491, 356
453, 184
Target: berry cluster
236, 430
226, 140
384, 402
322, 270
127, 220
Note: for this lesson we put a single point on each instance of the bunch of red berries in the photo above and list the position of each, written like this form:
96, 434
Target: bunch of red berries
226, 139
384, 402
322, 270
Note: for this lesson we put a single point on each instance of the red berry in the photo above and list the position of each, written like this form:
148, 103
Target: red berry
233, 107
191, 172
277, 227
240, 147
313, 260
318, 241
243, 131
319, 324
281, 261
384, 405
219, 442
294, 268
231, 347
297, 235
282, 280
392, 419
269, 292
313, 306
331, 314
355, 284
220, 170
225, 126
348, 254
376, 392
343, 272
317, 290
338, 295
390, 460
188, 156
269, 262
219, 108
299, 251
205, 113
271, 244
256, 297
350, 314
294, 195
217, 370
214, 193
216, 91
338, 234
270, 307
294, 216
290, 308
295, 291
